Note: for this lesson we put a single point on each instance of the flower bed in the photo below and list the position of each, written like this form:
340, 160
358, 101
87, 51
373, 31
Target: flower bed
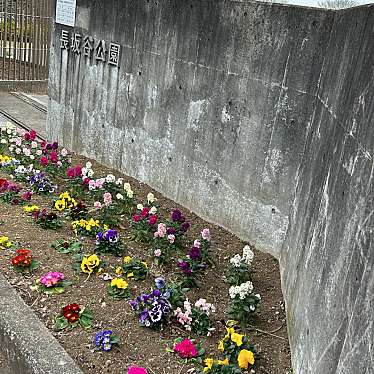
126, 279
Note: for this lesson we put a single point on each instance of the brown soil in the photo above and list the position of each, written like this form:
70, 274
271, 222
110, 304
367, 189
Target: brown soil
142, 346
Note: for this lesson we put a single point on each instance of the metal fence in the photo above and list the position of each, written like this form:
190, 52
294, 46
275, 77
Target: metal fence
25, 27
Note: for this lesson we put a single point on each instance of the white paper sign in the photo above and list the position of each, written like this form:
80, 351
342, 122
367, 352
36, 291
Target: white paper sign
65, 12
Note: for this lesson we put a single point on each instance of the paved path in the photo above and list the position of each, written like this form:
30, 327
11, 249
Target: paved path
24, 112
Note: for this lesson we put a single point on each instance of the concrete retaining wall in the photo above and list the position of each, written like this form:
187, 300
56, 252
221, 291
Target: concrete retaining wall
255, 116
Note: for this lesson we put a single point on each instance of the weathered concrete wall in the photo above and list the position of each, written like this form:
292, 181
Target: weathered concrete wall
210, 100
257, 117
327, 260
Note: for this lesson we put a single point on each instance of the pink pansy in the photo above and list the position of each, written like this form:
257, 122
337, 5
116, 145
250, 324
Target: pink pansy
197, 244
97, 205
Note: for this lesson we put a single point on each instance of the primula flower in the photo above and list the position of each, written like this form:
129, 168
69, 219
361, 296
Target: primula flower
51, 279
136, 370
186, 349
245, 358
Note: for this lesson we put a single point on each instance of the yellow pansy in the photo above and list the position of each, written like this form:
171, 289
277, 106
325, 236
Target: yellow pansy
119, 283
30, 208
237, 338
130, 275
145, 264
65, 195
4, 158
5, 242
223, 362
60, 205
208, 362
119, 270
89, 264
127, 259
230, 331
245, 357
221, 346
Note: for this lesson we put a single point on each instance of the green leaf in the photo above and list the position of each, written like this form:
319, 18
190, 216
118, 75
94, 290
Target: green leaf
61, 323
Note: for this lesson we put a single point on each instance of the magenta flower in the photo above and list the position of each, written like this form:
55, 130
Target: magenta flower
186, 349
136, 370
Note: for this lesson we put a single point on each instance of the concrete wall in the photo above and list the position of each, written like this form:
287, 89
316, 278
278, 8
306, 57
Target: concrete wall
255, 116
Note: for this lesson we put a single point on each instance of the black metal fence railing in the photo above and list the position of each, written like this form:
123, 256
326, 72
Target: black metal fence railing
25, 27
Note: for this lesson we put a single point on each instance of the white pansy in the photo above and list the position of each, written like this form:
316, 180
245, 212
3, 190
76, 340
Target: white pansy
139, 207
126, 186
153, 210
4, 141
119, 181
119, 196
32, 157
130, 194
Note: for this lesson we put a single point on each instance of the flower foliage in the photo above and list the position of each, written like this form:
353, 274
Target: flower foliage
134, 268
